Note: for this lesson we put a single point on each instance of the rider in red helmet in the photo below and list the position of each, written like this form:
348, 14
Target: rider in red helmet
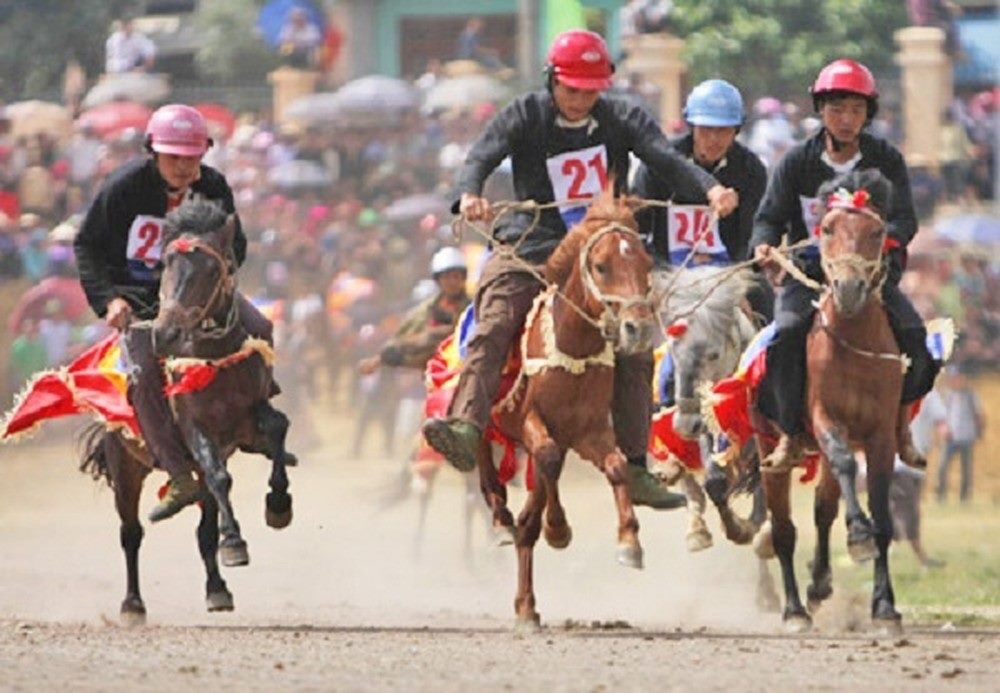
846, 98
566, 142
118, 253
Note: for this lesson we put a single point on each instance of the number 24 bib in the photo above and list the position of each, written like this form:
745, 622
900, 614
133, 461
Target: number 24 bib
578, 175
691, 228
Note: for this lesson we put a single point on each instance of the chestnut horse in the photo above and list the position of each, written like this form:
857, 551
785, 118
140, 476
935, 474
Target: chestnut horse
600, 304
854, 383
198, 322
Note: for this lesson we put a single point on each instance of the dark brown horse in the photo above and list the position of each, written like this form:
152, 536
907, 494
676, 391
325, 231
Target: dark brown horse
563, 403
854, 383
198, 326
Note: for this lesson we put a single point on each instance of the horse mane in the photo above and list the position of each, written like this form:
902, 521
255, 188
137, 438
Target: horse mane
604, 210
712, 316
878, 186
196, 217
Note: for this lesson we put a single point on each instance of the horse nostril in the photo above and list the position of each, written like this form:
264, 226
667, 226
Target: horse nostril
631, 331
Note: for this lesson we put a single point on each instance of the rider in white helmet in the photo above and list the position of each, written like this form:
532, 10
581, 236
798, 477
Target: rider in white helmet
430, 321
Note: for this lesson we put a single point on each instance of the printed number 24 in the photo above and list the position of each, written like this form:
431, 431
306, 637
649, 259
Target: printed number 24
694, 228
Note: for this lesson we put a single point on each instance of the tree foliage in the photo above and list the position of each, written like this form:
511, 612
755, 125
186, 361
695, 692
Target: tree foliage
232, 52
776, 47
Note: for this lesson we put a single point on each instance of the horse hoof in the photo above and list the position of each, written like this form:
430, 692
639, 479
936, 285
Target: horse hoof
234, 553
698, 540
558, 537
528, 623
219, 601
741, 532
763, 544
132, 615
504, 535
277, 520
630, 556
863, 550
797, 623
888, 627
817, 594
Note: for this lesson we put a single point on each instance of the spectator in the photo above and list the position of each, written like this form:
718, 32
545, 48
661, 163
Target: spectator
964, 426
955, 154
645, 17
300, 39
925, 186
936, 13
27, 357
128, 50
470, 46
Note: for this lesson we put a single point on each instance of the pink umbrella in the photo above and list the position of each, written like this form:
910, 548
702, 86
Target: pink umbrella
111, 119
63, 294
219, 116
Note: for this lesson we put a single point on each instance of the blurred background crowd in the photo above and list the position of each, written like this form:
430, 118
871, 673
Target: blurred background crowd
345, 194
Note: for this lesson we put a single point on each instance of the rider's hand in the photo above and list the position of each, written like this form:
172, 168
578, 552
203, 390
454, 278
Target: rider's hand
369, 365
474, 208
723, 201
763, 256
119, 314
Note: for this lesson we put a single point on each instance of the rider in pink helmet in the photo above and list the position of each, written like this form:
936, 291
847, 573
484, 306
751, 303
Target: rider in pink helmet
177, 129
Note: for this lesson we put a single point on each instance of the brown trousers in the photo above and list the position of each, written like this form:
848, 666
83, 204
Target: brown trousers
502, 302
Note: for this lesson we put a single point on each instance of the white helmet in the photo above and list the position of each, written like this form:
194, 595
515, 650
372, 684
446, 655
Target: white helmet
448, 258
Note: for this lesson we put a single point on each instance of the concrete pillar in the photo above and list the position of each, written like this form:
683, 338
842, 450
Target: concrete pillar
926, 82
288, 84
657, 57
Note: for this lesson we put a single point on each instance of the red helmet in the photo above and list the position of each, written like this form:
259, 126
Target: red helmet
178, 129
846, 76
579, 59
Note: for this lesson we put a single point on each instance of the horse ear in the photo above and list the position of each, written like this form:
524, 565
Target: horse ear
228, 232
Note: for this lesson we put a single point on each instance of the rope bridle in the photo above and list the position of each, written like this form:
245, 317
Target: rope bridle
224, 290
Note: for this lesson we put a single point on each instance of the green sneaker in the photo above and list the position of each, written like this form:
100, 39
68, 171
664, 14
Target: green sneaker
457, 440
182, 491
646, 490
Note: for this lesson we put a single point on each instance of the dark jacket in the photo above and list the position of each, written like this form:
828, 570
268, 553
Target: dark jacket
422, 330
740, 169
801, 172
134, 189
526, 130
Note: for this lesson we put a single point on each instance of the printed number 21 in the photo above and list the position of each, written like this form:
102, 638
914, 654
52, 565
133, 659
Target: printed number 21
577, 169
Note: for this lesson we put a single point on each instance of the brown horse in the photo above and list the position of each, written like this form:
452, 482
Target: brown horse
197, 325
563, 401
854, 383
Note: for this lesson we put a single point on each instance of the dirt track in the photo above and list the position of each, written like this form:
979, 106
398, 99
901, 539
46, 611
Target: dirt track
344, 600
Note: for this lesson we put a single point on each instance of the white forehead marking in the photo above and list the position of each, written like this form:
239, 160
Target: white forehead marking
623, 247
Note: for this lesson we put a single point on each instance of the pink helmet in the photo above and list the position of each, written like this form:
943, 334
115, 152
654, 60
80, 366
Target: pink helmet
178, 129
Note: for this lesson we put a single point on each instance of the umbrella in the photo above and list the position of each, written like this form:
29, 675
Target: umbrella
315, 108
465, 92
299, 174
128, 86
416, 207
34, 117
221, 120
113, 118
273, 16
375, 100
970, 228
64, 294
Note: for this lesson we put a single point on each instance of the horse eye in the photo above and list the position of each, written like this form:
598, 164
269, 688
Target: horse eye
712, 356
827, 230
600, 268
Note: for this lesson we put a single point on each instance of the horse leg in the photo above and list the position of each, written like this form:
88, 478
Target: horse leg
217, 595
232, 549
548, 459
273, 427
127, 475
601, 449
766, 596
776, 485
860, 535
880, 454
825, 507
698, 537
529, 525
495, 495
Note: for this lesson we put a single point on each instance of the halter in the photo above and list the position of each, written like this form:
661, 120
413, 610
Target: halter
856, 203
224, 288
607, 322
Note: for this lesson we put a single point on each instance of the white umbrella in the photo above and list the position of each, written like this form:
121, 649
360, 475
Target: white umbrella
376, 97
465, 92
299, 174
321, 107
128, 86
33, 117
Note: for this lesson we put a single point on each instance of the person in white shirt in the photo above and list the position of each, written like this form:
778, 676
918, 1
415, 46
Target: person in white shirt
127, 50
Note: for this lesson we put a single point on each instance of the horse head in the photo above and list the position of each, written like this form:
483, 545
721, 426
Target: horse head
603, 267
197, 284
852, 237
707, 330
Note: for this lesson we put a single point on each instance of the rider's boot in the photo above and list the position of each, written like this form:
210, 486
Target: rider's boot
645, 489
182, 491
456, 439
788, 453
906, 450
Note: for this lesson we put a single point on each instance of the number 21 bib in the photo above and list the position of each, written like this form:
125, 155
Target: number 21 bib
578, 175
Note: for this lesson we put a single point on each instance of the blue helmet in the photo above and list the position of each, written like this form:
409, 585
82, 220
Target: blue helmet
714, 103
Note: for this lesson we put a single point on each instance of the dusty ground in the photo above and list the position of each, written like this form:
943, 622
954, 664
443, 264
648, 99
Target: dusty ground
346, 599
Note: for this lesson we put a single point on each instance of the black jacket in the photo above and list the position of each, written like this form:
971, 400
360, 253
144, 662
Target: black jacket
526, 130
740, 170
801, 172
134, 189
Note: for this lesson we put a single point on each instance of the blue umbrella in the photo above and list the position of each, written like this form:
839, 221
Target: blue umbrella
274, 14
970, 228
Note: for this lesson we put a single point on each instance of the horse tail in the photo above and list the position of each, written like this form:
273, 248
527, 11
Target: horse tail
93, 455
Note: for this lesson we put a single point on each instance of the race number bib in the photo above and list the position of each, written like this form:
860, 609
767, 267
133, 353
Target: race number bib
145, 247
691, 228
812, 212
578, 175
